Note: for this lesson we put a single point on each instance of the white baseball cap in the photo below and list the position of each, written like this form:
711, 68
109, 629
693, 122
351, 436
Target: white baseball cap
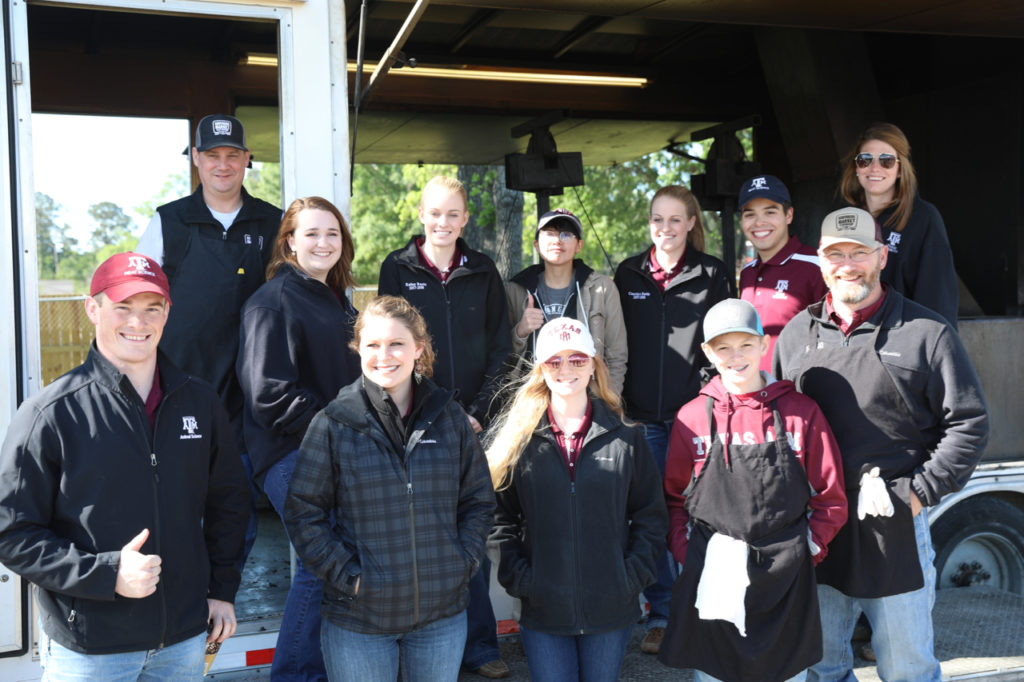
561, 334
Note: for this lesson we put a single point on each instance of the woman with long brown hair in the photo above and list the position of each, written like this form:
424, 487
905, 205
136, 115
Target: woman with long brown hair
879, 177
581, 515
292, 360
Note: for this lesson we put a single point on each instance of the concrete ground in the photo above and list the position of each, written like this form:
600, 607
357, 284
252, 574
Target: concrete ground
979, 634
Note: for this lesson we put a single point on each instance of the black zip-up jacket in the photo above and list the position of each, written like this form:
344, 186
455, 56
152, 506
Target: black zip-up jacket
934, 377
80, 476
920, 263
410, 523
578, 553
293, 358
467, 319
664, 331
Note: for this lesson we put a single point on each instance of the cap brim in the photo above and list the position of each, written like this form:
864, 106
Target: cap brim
730, 330
234, 145
832, 241
120, 292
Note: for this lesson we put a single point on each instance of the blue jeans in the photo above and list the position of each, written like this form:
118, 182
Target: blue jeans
565, 658
182, 661
297, 656
659, 594
254, 517
481, 628
699, 676
430, 653
902, 635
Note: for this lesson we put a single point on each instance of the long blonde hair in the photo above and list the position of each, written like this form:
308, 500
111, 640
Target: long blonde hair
516, 424
694, 237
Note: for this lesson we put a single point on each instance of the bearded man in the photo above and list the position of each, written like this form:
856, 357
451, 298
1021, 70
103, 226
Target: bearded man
907, 411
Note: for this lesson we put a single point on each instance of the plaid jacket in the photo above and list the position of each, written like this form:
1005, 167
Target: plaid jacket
411, 525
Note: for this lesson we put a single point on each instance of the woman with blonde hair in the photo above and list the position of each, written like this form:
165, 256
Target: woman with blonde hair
665, 291
581, 516
879, 177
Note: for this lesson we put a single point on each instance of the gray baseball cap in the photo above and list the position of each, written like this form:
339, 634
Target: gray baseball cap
731, 315
850, 225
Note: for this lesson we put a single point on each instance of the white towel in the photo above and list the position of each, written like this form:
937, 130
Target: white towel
723, 582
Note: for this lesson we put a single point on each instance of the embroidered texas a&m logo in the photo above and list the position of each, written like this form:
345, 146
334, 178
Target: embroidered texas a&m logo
758, 183
189, 426
781, 287
139, 265
894, 242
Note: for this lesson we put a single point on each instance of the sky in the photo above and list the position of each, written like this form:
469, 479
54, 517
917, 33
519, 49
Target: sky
83, 160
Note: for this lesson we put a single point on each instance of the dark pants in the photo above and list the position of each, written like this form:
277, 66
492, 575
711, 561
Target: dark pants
481, 628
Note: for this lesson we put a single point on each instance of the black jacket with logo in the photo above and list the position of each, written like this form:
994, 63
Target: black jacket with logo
578, 552
664, 331
467, 319
81, 474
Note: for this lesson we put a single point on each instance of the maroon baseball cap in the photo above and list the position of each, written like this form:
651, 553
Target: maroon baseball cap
126, 274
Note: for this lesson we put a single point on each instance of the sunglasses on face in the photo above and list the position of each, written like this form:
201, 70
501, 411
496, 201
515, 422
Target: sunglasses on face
575, 360
863, 160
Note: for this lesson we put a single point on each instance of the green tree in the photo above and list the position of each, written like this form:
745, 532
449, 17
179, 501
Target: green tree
53, 238
175, 187
385, 211
111, 226
263, 181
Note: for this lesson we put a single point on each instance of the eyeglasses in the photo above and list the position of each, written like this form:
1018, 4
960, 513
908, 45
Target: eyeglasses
576, 360
562, 236
838, 257
863, 160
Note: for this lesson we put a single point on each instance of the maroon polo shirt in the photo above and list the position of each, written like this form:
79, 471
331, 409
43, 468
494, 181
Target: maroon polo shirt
662, 276
430, 265
781, 287
572, 445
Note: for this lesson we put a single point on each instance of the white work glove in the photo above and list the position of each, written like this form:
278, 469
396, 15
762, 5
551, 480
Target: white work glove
815, 550
874, 496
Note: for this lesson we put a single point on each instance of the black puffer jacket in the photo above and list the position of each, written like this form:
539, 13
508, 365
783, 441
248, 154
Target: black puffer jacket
578, 553
411, 524
664, 331
467, 319
80, 476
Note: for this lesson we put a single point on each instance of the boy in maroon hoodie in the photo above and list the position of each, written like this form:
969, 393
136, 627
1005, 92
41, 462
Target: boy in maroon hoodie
754, 485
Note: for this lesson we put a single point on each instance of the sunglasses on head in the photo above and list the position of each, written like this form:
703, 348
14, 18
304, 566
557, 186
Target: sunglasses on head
863, 160
576, 360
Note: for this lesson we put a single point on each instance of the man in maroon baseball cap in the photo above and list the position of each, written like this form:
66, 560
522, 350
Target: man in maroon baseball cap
123, 497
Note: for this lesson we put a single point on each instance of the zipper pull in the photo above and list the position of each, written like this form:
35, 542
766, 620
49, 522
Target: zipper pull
408, 487
71, 616
152, 463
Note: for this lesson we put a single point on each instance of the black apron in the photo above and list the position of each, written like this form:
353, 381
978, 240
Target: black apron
760, 496
212, 282
876, 557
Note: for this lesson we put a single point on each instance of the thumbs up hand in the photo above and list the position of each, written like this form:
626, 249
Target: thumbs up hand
532, 319
137, 573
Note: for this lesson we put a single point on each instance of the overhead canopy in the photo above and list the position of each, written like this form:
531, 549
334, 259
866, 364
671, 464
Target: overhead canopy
700, 59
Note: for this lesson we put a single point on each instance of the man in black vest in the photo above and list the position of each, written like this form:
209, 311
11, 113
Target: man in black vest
907, 410
214, 246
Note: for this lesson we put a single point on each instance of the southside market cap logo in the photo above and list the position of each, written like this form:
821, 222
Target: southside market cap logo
221, 127
846, 222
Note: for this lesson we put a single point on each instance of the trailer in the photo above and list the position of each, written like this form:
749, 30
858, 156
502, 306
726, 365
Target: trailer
660, 72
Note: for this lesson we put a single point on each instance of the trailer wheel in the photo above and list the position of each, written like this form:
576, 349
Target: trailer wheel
980, 542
